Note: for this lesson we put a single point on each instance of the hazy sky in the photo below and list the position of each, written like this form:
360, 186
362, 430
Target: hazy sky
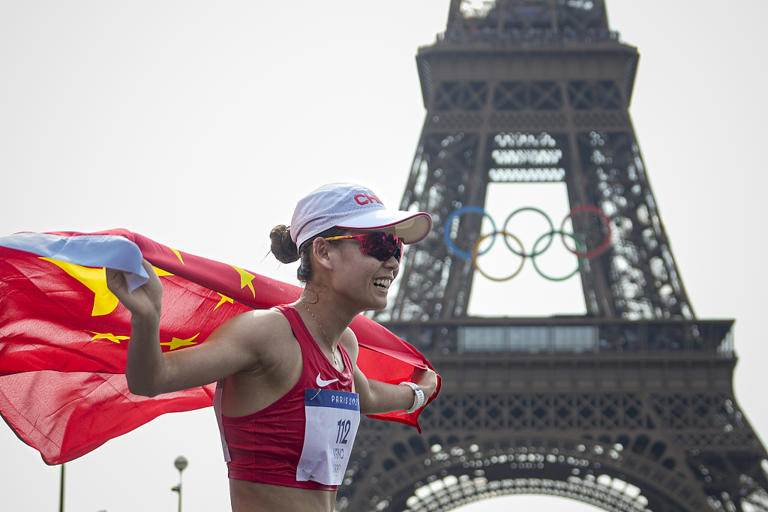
199, 124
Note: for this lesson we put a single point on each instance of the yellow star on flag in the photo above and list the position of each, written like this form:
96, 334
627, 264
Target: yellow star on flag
178, 254
95, 279
107, 336
179, 342
224, 299
246, 279
160, 272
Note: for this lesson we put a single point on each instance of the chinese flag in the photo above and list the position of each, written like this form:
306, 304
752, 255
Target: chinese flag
64, 335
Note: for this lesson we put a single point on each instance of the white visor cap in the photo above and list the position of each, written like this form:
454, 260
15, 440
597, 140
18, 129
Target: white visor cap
351, 206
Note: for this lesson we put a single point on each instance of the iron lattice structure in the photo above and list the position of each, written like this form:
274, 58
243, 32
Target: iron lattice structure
631, 407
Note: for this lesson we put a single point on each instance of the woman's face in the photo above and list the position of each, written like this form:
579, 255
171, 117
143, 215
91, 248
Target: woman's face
360, 279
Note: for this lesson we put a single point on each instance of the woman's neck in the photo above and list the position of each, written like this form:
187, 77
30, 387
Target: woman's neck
328, 322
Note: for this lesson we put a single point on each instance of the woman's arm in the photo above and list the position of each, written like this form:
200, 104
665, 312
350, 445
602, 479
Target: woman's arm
379, 397
232, 347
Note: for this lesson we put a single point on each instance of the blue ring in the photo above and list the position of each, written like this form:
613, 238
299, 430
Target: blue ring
447, 231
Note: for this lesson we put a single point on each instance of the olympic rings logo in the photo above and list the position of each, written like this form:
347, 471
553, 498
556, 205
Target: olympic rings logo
538, 248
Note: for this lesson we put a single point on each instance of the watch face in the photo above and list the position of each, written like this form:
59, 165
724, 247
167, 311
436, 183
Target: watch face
418, 396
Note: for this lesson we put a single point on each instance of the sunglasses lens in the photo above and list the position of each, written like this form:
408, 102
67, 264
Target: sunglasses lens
382, 246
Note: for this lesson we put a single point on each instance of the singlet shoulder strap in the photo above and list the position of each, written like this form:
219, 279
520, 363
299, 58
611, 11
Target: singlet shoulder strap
298, 327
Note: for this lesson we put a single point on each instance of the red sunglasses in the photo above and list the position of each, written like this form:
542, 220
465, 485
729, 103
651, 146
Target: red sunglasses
378, 244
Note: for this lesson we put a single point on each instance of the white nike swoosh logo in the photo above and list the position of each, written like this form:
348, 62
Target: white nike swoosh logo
322, 383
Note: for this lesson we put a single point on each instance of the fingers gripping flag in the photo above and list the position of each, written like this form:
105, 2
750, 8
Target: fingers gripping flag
64, 335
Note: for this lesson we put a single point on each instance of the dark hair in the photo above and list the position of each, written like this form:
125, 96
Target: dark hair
284, 249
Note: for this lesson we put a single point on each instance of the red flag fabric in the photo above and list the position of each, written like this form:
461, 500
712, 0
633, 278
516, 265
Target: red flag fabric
64, 335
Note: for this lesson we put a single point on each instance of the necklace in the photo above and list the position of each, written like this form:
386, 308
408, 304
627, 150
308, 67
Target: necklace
322, 332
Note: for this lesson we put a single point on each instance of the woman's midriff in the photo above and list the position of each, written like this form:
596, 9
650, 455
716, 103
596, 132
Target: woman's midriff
256, 497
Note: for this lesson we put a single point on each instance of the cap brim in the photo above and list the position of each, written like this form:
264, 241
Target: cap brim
409, 226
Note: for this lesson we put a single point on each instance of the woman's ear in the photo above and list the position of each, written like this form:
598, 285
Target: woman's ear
321, 253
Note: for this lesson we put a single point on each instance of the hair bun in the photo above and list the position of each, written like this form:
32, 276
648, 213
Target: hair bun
283, 247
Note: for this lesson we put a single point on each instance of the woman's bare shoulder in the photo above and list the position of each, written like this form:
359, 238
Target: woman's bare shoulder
254, 331
349, 342
260, 318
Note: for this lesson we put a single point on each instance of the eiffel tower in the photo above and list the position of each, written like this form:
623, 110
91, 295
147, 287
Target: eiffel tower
629, 407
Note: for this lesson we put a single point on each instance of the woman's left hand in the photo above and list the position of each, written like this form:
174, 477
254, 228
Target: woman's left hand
427, 380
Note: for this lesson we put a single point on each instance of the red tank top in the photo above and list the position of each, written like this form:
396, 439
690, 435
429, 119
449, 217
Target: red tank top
266, 446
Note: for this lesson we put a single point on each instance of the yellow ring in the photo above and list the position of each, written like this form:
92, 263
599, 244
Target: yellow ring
476, 249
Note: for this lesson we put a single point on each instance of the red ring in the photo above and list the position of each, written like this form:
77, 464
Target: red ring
606, 221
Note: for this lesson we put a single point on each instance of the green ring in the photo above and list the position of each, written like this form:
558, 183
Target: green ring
579, 246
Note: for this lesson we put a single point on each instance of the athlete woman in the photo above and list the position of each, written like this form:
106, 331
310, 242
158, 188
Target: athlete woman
290, 392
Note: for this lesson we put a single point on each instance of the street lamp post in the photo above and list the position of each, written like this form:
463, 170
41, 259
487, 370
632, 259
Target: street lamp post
180, 463
61, 488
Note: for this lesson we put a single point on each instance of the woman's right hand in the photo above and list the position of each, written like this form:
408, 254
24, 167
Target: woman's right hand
145, 302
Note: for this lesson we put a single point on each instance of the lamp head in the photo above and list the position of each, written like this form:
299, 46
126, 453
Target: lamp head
180, 462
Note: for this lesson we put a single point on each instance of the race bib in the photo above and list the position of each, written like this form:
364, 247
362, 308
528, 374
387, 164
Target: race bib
332, 418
